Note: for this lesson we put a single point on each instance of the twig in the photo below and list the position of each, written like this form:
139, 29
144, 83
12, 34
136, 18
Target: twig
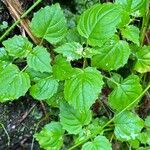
20, 19
26, 114
147, 38
105, 108
16, 11
145, 23
111, 120
43, 108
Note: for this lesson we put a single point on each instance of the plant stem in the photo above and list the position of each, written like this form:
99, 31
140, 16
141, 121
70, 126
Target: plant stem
24, 68
8, 137
85, 63
18, 21
89, 137
36, 128
111, 80
145, 23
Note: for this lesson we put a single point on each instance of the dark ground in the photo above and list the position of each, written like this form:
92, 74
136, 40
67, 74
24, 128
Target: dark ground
20, 118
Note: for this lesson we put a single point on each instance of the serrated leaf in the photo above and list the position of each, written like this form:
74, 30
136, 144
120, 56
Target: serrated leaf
112, 56
51, 136
62, 69
18, 46
83, 88
131, 33
142, 63
39, 59
131, 5
72, 119
72, 50
128, 126
98, 23
13, 83
49, 23
35, 76
125, 93
99, 143
44, 88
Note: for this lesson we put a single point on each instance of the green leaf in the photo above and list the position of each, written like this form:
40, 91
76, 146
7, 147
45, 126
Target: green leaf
73, 36
142, 63
83, 88
18, 46
128, 126
99, 143
96, 125
58, 97
51, 136
44, 88
125, 18
3, 26
131, 5
3, 54
147, 121
112, 56
13, 83
143, 148
72, 119
3, 64
49, 23
132, 34
72, 51
92, 129
90, 52
134, 143
125, 93
116, 78
62, 69
98, 23
39, 60
144, 137
35, 76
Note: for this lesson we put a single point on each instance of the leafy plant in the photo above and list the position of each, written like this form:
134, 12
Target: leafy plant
71, 68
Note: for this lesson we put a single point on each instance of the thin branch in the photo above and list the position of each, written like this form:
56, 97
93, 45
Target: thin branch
19, 19
110, 121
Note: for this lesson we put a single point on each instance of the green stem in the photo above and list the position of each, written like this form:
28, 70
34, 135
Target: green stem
126, 108
85, 63
18, 21
145, 23
24, 68
8, 137
111, 80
